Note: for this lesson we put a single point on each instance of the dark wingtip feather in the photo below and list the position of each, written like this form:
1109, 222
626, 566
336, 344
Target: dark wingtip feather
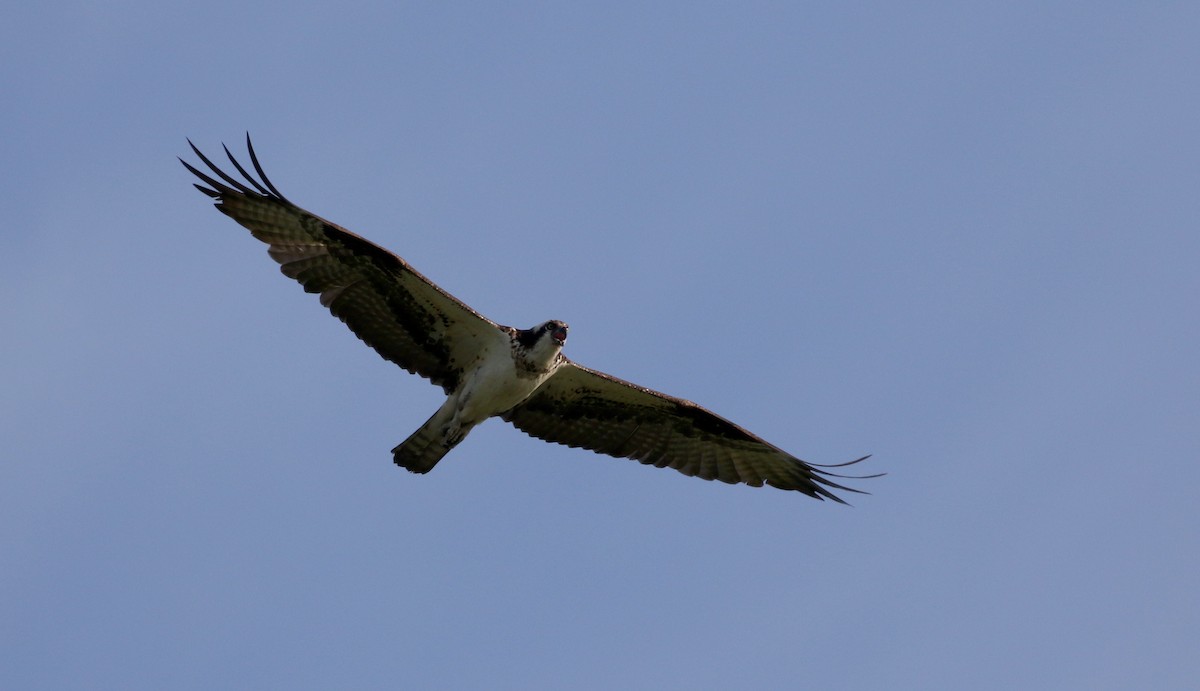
212, 193
822, 477
249, 178
819, 466
227, 184
217, 188
815, 487
841, 465
231, 182
266, 180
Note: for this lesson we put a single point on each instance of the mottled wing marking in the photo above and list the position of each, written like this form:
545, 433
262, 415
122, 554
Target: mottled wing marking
389, 305
580, 407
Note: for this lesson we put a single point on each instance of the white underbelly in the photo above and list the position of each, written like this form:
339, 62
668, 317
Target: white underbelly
493, 388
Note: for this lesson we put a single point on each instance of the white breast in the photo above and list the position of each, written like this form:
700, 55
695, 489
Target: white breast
495, 385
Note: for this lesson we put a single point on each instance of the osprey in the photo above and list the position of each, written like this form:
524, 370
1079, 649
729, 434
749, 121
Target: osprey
489, 370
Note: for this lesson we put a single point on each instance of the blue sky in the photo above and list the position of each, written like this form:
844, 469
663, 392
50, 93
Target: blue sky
961, 237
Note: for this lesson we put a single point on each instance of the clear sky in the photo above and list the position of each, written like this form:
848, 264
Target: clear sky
962, 237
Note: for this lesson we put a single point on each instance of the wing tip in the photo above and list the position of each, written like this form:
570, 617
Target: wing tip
225, 185
814, 481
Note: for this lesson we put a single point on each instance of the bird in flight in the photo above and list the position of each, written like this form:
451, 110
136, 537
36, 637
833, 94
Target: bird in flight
490, 370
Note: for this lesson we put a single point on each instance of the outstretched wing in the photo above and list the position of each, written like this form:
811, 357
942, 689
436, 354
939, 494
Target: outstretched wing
580, 407
385, 302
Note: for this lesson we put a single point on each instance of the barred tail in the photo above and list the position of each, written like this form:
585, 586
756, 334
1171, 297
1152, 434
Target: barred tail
425, 447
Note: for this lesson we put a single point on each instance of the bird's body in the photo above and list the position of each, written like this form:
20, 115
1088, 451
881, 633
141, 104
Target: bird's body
489, 370
506, 373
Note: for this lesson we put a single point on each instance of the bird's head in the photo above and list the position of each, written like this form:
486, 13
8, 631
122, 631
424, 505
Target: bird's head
557, 331
548, 336
539, 347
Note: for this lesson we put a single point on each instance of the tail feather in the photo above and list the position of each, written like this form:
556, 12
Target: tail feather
425, 447
420, 452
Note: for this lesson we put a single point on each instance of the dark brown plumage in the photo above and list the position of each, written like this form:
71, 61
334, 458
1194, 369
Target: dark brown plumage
412, 322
